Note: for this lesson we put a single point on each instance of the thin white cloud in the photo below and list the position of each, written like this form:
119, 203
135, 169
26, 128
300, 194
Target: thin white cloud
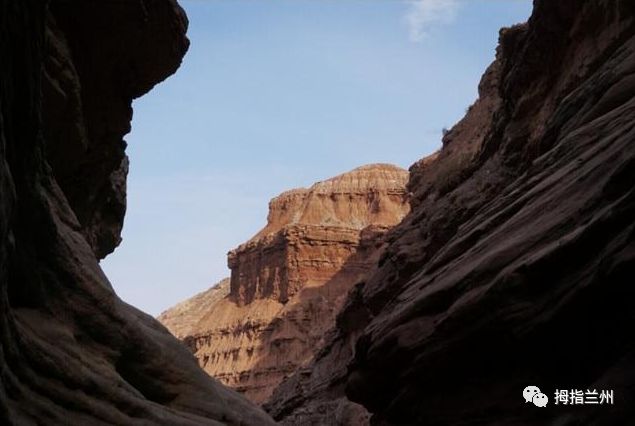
423, 14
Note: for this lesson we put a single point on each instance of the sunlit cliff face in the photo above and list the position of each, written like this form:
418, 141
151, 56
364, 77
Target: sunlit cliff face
289, 281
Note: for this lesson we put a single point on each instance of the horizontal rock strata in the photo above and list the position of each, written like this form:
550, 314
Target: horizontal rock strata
289, 281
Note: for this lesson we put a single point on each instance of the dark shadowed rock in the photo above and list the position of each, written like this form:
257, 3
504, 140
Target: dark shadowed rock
71, 352
99, 56
515, 265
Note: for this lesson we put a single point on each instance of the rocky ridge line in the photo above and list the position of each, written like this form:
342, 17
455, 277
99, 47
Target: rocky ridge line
514, 266
289, 281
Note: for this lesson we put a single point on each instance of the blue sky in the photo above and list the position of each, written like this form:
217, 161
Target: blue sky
279, 94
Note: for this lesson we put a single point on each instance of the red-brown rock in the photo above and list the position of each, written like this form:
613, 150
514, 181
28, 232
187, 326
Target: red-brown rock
289, 281
183, 318
71, 352
515, 265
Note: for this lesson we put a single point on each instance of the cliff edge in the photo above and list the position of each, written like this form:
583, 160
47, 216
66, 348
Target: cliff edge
71, 352
289, 281
515, 265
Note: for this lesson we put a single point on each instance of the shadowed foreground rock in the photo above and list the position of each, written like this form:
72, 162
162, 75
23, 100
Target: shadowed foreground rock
71, 352
515, 266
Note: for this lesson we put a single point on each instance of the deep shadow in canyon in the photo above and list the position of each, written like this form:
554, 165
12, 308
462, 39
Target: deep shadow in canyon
72, 352
514, 266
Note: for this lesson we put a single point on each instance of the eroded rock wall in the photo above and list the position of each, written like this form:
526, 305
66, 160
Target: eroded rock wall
183, 318
98, 59
289, 281
71, 352
271, 265
515, 264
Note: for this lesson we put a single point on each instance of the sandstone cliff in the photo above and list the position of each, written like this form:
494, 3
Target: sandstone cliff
71, 352
182, 319
272, 265
515, 265
289, 281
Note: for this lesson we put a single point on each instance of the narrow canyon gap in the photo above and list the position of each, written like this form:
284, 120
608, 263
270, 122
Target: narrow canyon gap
514, 265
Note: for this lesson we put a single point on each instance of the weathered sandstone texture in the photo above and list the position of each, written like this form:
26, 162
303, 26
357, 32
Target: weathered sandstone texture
289, 281
311, 233
71, 352
516, 263
182, 319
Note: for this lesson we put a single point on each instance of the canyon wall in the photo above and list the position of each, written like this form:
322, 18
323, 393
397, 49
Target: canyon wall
289, 281
182, 318
515, 265
71, 352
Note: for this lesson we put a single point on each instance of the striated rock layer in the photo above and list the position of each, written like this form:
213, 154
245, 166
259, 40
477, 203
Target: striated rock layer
71, 352
182, 318
516, 263
289, 281
329, 218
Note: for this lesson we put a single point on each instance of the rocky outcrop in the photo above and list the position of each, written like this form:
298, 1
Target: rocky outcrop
182, 319
91, 72
330, 215
515, 264
289, 281
71, 352
315, 394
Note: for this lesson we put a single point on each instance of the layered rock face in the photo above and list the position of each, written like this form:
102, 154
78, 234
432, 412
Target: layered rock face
330, 215
515, 265
182, 319
289, 281
71, 352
